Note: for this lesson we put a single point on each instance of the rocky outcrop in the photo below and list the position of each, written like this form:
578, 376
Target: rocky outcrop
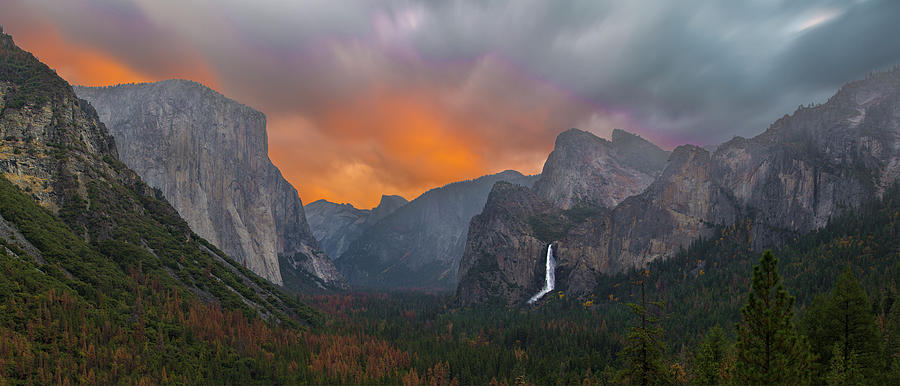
420, 244
503, 253
585, 170
790, 179
51, 140
209, 157
684, 203
335, 226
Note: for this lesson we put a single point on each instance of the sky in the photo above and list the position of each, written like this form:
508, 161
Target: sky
365, 98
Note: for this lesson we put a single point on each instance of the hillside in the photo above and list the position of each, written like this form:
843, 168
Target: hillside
570, 340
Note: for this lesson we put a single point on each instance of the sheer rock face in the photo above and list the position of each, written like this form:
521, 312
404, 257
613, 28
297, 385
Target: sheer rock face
585, 170
503, 257
419, 245
209, 157
335, 226
804, 166
790, 179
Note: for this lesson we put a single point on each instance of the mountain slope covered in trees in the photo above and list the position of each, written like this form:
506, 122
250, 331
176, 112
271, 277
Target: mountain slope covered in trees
102, 282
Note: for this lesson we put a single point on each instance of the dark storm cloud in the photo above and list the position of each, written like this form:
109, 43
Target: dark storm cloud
699, 70
865, 38
354, 84
683, 69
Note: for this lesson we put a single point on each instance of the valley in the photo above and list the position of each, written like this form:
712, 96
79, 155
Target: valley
149, 235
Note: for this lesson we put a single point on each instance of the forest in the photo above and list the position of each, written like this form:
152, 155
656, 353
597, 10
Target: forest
830, 296
700, 319
832, 292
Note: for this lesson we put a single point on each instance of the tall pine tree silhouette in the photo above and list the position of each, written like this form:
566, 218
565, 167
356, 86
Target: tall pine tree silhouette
844, 319
769, 350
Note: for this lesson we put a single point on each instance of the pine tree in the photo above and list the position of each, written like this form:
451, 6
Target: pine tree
849, 314
812, 326
844, 368
644, 346
711, 362
769, 350
892, 340
846, 319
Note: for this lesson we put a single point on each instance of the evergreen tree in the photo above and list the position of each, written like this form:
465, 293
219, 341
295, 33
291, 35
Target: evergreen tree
844, 368
769, 350
845, 319
711, 362
892, 339
850, 314
812, 326
643, 351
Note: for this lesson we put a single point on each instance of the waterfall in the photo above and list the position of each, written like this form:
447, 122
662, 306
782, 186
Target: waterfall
550, 276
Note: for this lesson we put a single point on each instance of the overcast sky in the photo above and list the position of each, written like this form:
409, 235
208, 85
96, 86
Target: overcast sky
397, 97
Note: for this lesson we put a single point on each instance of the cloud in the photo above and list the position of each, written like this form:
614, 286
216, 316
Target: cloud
399, 96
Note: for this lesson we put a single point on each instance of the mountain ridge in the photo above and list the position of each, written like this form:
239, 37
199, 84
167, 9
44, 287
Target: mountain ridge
335, 225
209, 156
791, 178
419, 244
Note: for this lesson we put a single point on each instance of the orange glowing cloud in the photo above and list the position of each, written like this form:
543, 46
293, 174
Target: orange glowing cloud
350, 121
391, 144
85, 65
80, 65
407, 138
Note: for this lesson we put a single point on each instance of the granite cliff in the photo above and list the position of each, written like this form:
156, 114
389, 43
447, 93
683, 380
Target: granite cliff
804, 169
585, 170
209, 157
335, 226
419, 245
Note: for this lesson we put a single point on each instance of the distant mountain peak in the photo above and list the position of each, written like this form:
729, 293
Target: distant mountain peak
584, 169
419, 245
391, 200
574, 136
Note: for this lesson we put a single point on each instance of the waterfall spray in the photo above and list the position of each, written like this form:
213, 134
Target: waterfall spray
550, 276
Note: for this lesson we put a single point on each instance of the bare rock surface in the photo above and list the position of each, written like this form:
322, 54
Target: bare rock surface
209, 156
595, 204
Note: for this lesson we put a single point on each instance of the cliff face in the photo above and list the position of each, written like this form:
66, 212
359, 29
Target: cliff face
209, 157
335, 226
790, 179
819, 157
503, 256
419, 245
585, 170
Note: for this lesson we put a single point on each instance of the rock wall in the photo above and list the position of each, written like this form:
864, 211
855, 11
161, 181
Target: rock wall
790, 179
419, 245
209, 157
336, 226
